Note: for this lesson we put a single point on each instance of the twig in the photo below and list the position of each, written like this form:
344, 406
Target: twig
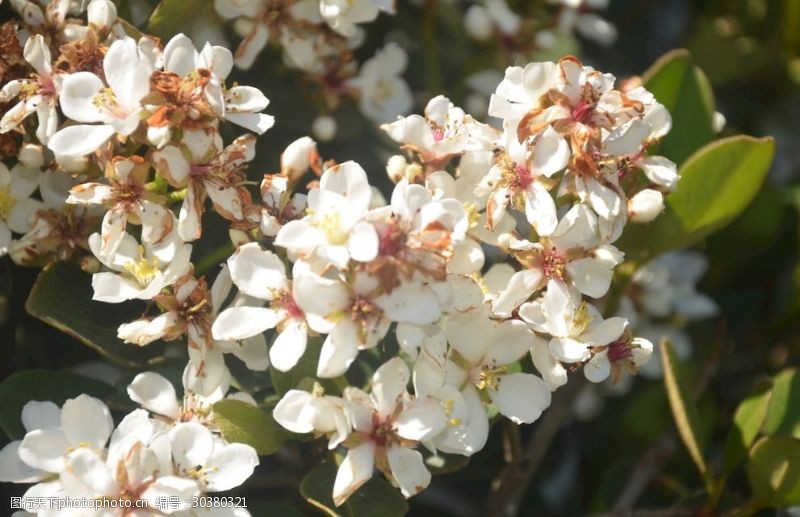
512, 483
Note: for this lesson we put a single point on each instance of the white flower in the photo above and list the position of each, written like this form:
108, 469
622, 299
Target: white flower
17, 208
571, 254
444, 131
482, 349
574, 15
140, 271
517, 180
217, 466
356, 314
334, 229
241, 105
383, 93
303, 412
261, 275
344, 15
126, 200
86, 99
387, 426
39, 94
84, 422
205, 169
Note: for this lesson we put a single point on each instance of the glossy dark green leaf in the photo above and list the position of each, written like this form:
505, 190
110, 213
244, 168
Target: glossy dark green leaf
171, 16
783, 412
717, 183
747, 421
62, 297
377, 498
242, 423
774, 471
684, 90
56, 386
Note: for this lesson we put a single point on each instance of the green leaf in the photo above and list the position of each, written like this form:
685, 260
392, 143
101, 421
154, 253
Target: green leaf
683, 408
171, 16
684, 90
783, 413
717, 183
62, 297
747, 421
377, 498
242, 423
774, 471
56, 386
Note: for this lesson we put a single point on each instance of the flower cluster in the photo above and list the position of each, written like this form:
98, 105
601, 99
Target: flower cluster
129, 139
317, 38
172, 451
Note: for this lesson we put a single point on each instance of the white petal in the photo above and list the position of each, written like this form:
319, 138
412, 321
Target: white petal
411, 302
363, 242
257, 272
155, 393
77, 95
192, 445
590, 277
13, 469
44, 449
389, 384
354, 471
540, 209
421, 419
509, 341
521, 397
230, 466
408, 470
520, 287
598, 368
605, 332
79, 140
243, 322
339, 350
86, 475
85, 419
569, 350
289, 411
40, 415
289, 346
550, 153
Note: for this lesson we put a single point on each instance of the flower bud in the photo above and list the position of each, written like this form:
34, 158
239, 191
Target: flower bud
159, 136
645, 206
31, 155
102, 13
298, 157
504, 241
324, 128
396, 167
478, 24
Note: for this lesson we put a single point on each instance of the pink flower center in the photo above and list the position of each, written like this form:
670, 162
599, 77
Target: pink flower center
582, 112
382, 431
619, 350
554, 264
46, 87
199, 170
288, 304
438, 134
391, 240
524, 176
